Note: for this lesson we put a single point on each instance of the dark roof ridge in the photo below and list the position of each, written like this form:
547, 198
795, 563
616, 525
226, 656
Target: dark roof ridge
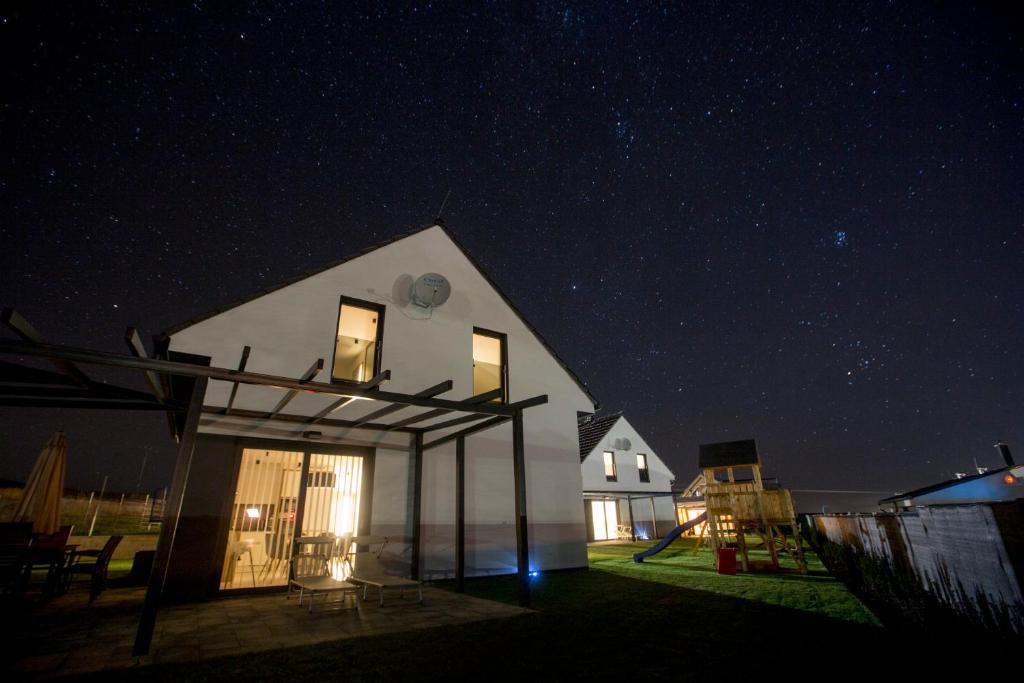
593, 428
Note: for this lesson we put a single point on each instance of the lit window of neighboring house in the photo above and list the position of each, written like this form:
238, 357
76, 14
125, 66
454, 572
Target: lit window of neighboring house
609, 466
641, 466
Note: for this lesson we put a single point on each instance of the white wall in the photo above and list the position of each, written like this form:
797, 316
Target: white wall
628, 474
290, 328
594, 479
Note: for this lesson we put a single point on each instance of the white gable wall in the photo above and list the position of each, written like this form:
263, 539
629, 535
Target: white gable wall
628, 476
290, 328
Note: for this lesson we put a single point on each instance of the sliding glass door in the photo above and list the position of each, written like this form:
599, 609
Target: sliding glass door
278, 493
330, 513
605, 515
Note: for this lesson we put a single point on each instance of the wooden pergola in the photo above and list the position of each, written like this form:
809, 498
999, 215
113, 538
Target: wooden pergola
178, 383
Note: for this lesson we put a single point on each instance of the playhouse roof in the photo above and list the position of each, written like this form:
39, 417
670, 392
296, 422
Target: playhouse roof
221, 309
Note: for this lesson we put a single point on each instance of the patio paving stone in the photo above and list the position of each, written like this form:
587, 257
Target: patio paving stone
67, 636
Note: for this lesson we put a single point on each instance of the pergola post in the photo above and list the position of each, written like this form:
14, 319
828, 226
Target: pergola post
172, 512
522, 540
417, 503
460, 514
632, 525
654, 518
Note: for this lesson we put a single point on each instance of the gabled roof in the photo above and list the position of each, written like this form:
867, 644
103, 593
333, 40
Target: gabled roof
593, 428
173, 329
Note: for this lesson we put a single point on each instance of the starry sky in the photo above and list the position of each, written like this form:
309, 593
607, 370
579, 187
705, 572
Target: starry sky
800, 223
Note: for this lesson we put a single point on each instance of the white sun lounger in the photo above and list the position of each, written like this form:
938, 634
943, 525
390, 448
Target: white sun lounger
369, 573
311, 575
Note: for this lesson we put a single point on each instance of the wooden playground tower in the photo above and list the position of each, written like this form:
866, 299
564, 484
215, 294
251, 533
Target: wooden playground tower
738, 510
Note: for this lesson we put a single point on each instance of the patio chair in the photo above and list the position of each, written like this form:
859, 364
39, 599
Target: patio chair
97, 569
51, 552
368, 571
311, 574
15, 570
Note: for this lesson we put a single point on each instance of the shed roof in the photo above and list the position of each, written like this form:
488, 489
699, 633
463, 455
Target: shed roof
173, 329
593, 428
925, 490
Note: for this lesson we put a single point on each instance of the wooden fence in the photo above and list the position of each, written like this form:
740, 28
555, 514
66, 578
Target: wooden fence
967, 557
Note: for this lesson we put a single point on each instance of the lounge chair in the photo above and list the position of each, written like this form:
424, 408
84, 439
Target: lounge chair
368, 571
97, 569
311, 574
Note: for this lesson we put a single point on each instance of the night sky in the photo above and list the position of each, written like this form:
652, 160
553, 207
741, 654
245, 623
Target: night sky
797, 223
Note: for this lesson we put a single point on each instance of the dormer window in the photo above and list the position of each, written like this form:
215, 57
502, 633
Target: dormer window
358, 341
490, 363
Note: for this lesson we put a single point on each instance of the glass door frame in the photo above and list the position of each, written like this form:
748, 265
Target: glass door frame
306, 448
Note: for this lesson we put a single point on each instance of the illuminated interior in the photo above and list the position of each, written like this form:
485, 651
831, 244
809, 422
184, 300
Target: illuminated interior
355, 351
609, 466
262, 535
605, 515
487, 370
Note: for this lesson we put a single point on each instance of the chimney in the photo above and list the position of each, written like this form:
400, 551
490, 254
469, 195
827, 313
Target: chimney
1004, 450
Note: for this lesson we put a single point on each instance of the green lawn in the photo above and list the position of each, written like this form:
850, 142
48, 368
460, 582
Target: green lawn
670, 618
678, 565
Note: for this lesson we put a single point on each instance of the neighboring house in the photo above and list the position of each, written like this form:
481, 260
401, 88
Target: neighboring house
992, 486
257, 485
627, 489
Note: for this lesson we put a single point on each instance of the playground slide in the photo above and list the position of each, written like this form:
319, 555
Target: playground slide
671, 536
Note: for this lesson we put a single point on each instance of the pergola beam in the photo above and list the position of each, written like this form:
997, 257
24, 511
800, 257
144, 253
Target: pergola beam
439, 388
137, 349
454, 422
300, 419
307, 376
520, 405
342, 402
487, 424
12, 374
234, 386
192, 370
471, 401
21, 327
85, 402
49, 393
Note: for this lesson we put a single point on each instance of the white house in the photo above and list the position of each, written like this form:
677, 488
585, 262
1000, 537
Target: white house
627, 489
325, 465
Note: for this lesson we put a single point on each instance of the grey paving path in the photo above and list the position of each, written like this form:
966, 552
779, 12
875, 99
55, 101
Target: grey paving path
69, 636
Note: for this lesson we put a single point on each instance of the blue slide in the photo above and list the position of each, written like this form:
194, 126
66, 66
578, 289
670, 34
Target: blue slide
671, 536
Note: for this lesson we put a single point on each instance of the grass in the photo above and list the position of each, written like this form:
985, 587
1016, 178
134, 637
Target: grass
671, 618
678, 565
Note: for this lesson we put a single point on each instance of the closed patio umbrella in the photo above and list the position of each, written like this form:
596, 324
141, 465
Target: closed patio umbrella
40, 501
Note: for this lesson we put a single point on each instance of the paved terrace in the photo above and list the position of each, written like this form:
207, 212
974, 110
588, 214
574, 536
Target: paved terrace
68, 636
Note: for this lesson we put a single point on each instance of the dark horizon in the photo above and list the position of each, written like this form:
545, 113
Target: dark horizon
730, 222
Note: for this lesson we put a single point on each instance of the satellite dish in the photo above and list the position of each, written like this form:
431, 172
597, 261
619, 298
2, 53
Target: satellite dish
430, 290
622, 444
